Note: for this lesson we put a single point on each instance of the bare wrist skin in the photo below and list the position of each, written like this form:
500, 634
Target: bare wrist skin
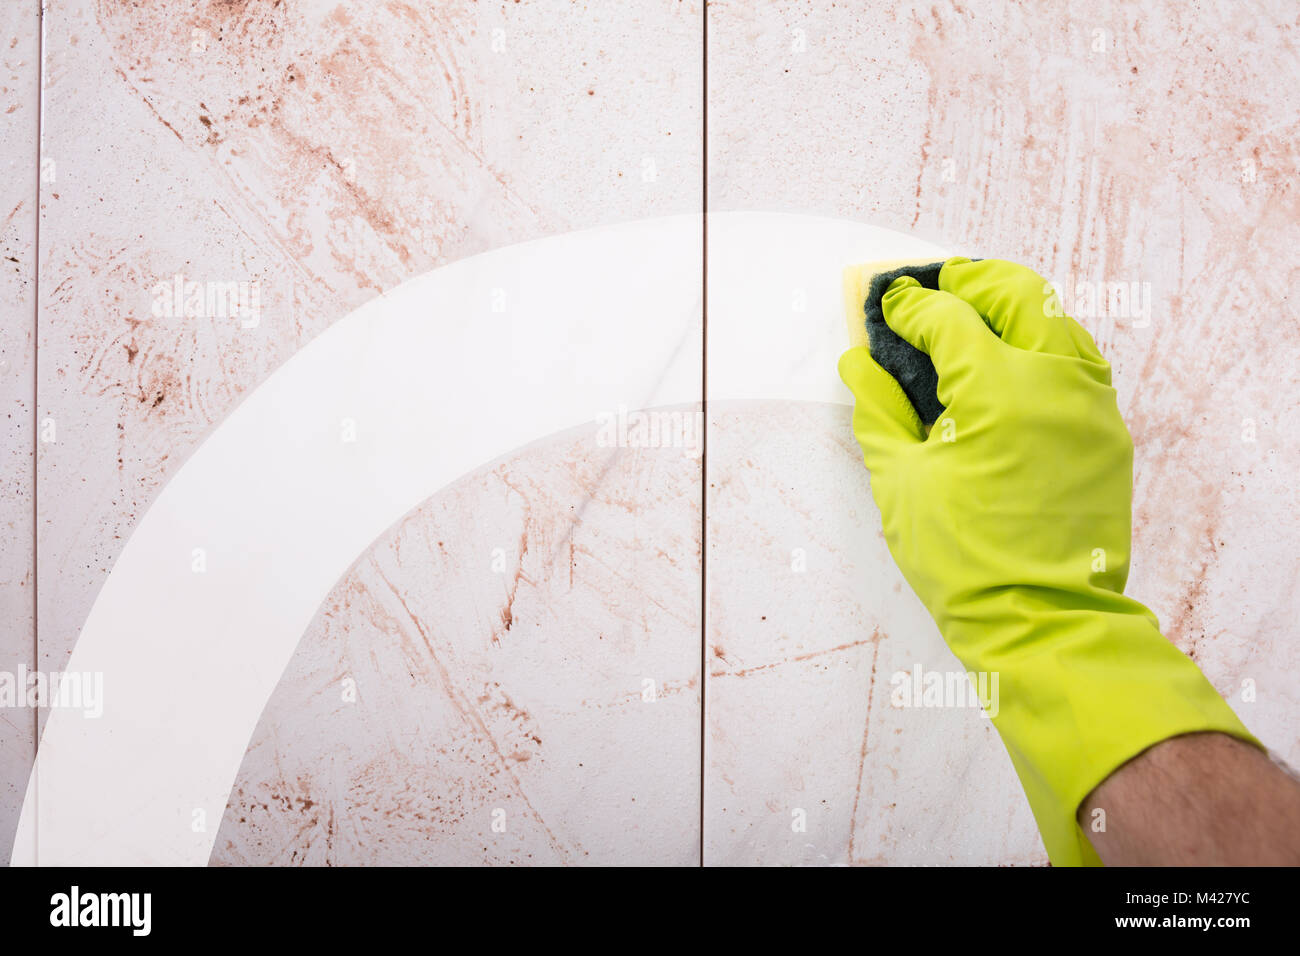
1202, 799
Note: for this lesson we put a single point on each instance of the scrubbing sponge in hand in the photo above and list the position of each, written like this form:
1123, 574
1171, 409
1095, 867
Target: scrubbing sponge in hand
1014, 530
864, 286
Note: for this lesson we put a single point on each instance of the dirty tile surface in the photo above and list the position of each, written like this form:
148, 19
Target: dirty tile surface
323, 153
20, 74
500, 637
326, 153
1145, 145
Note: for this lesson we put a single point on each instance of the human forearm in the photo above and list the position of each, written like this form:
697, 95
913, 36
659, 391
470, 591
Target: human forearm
1196, 800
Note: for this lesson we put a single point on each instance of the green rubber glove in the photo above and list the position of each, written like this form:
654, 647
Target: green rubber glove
1011, 520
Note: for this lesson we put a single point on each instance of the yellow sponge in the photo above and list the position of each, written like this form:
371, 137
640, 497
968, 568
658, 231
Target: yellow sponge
864, 289
857, 283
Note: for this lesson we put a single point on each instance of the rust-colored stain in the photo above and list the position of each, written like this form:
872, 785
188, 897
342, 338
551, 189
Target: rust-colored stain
862, 752
457, 716
332, 151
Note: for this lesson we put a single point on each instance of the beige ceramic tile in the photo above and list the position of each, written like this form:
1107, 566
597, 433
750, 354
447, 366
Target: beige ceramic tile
325, 153
19, 107
810, 622
499, 638
1148, 144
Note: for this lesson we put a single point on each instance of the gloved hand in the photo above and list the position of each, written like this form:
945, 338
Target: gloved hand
1011, 521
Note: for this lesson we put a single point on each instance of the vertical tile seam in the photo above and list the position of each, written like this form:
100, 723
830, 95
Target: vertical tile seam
704, 401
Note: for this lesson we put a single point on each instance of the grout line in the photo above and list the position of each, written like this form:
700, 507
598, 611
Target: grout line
704, 400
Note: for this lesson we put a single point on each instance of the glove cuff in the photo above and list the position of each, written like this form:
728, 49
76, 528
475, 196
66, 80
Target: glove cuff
1080, 693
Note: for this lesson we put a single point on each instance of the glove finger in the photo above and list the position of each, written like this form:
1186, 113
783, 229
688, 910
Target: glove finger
883, 418
941, 325
1016, 302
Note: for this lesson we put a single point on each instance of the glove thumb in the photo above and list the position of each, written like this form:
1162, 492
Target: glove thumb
883, 418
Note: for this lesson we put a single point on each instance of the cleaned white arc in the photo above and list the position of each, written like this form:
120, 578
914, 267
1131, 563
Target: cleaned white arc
390, 404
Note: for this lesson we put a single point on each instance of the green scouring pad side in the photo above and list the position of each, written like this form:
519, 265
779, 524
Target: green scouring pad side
864, 287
